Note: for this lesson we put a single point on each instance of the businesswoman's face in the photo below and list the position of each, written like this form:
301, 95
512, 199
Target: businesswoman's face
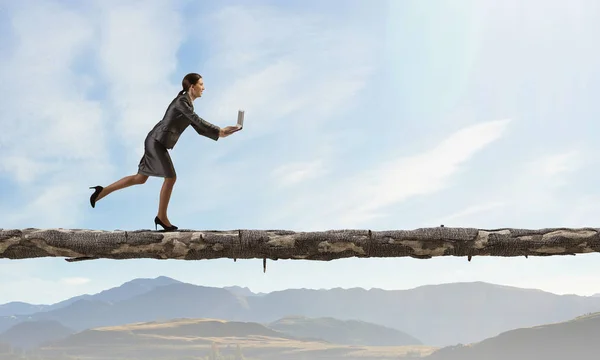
197, 89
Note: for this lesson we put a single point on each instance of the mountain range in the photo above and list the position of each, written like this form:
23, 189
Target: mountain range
433, 315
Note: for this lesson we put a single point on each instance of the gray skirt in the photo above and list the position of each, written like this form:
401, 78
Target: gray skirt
156, 160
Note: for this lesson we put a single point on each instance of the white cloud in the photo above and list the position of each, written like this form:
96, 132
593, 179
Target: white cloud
282, 66
476, 209
537, 193
581, 211
418, 175
45, 110
538, 184
555, 165
361, 198
75, 281
52, 136
51, 206
138, 54
293, 173
24, 169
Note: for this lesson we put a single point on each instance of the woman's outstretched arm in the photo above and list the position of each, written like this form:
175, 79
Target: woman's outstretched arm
201, 126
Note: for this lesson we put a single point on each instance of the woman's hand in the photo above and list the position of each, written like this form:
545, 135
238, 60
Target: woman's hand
228, 130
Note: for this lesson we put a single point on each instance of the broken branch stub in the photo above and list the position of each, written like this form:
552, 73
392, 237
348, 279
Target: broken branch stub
424, 243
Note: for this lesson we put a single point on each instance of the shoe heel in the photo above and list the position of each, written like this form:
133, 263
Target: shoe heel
94, 196
165, 227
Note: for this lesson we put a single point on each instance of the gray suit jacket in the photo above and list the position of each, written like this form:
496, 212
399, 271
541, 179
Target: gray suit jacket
179, 115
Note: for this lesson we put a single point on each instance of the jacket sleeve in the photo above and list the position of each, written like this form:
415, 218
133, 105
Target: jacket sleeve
201, 126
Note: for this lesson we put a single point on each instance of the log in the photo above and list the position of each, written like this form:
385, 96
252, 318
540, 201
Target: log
422, 243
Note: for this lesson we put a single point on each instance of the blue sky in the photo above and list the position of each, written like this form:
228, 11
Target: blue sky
359, 114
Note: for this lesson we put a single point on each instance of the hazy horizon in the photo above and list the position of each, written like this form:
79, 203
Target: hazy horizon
293, 288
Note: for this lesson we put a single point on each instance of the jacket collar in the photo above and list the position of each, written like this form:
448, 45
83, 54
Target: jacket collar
187, 99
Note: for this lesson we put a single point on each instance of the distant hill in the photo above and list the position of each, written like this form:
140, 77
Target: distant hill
574, 339
125, 291
181, 338
349, 332
132, 289
31, 334
168, 339
177, 328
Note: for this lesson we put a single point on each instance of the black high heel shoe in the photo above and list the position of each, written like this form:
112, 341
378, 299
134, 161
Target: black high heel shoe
95, 195
157, 222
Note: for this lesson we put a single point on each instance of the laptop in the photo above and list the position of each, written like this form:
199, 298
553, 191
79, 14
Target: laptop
240, 120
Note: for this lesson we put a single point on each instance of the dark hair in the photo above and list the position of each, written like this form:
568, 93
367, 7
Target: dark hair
189, 80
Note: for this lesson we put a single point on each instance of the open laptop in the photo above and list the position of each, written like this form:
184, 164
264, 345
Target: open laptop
240, 121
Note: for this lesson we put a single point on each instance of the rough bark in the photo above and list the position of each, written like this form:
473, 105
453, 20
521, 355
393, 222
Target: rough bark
425, 243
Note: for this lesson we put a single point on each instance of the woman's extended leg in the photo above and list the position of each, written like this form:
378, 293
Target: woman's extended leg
123, 183
165, 196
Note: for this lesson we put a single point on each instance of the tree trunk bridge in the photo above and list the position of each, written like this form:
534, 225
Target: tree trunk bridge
423, 243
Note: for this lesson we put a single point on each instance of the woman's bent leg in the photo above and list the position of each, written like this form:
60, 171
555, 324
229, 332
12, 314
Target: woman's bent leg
123, 183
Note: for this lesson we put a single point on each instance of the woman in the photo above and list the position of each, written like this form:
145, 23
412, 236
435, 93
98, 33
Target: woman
156, 160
